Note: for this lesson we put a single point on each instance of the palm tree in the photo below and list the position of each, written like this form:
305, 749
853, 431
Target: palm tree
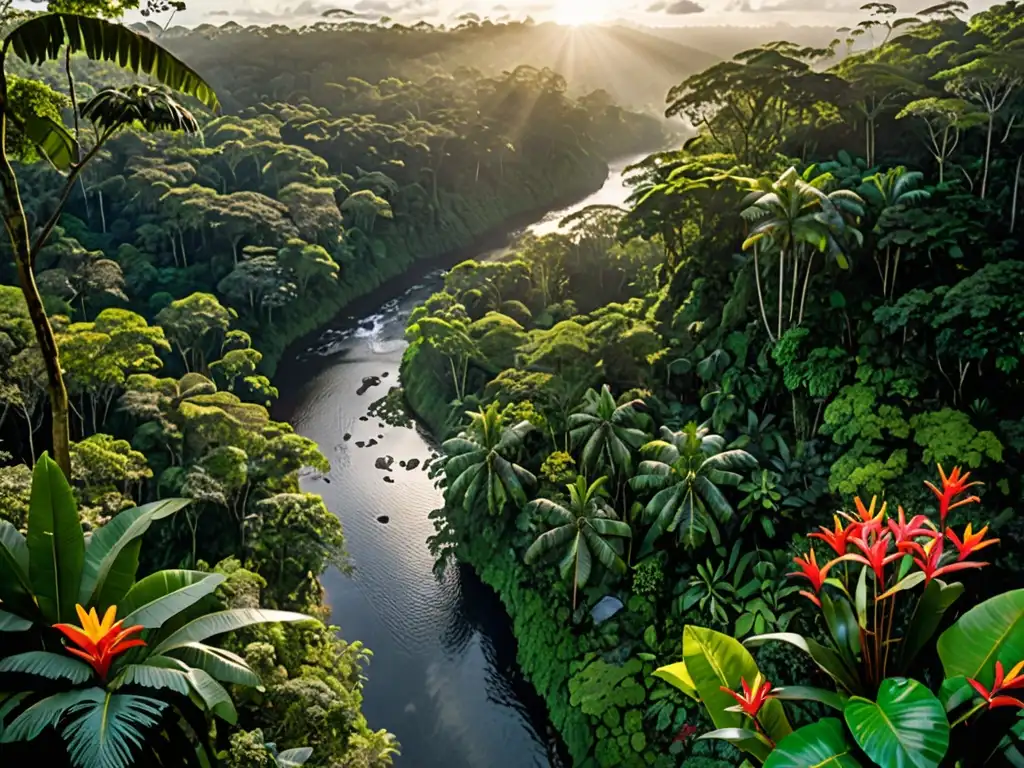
685, 471
892, 192
607, 432
791, 215
579, 532
47, 37
479, 462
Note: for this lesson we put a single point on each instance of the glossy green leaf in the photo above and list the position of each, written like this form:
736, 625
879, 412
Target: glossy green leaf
56, 545
905, 728
991, 631
861, 598
53, 666
823, 744
220, 664
832, 699
290, 758
676, 674
826, 659
51, 138
162, 595
213, 694
736, 736
843, 626
11, 623
153, 676
936, 599
15, 586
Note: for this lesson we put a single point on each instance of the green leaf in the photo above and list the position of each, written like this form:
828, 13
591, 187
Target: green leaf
955, 692
843, 627
149, 675
213, 694
11, 623
826, 659
676, 674
56, 545
222, 665
290, 758
991, 631
52, 666
714, 660
108, 730
736, 736
34, 720
162, 595
104, 570
905, 728
823, 744
51, 138
40, 38
908, 582
861, 598
15, 586
832, 699
218, 623
936, 599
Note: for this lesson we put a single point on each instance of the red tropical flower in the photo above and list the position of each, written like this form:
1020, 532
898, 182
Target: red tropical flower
928, 556
1002, 683
99, 641
866, 519
809, 570
875, 555
952, 486
685, 732
972, 542
838, 538
904, 531
752, 699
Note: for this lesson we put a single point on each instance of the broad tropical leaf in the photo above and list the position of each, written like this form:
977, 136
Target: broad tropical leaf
11, 623
52, 666
290, 758
823, 744
107, 729
827, 660
937, 598
56, 545
149, 676
220, 664
213, 694
905, 728
991, 631
41, 715
51, 138
41, 38
102, 562
15, 587
224, 621
164, 594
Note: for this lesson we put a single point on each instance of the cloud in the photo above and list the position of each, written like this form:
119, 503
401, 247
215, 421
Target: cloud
656, 7
683, 7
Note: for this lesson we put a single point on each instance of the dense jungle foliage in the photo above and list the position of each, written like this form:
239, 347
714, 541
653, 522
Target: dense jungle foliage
815, 299
170, 254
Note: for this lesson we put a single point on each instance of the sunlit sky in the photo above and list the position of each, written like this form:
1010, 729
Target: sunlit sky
652, 12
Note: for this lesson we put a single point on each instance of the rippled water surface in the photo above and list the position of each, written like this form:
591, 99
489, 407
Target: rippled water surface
443, 676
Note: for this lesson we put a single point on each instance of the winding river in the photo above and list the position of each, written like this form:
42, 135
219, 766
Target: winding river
444, 677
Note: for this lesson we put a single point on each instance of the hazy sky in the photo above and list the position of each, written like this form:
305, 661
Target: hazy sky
656, 12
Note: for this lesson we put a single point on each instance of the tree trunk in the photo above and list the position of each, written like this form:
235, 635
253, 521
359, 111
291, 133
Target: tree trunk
760, 297
988, 153
803, 293
103, 212
1016, 187
782, 288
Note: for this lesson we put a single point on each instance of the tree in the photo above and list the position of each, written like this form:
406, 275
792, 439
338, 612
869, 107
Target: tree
579, 533
480, 465
307, 262
607, 432
944, 120
892, 193
685, 474
33, 41
194, 326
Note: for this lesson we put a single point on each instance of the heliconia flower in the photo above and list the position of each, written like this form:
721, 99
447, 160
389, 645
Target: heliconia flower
1002, 683
752, 699
809, 570
952, 486
99, 641
838, 538
927, 558
904, 531
972, 542
867, 519
875, 555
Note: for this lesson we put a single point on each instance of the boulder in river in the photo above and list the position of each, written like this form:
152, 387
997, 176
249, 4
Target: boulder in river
360, 443
347, 436
384, 462
370, 443
383, 519
364, 418
412, 464
384, 375
388, 479
368, 381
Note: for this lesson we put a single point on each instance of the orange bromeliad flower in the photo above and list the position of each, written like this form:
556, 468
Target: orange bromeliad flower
952, 486
809, 570
99, 641
972, 542
752, 699
867, 520
1002, 683
838, 538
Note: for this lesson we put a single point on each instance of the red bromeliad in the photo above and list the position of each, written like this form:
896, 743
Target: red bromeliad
952, 486
838, 538
809, 570
971, 543
867, 520
99, 641
1002, 683
875, 555
752, 699
927, 558
904, 531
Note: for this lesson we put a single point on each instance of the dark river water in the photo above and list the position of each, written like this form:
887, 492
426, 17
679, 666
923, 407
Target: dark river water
443, 677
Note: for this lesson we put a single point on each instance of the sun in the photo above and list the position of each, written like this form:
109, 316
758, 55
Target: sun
576, 13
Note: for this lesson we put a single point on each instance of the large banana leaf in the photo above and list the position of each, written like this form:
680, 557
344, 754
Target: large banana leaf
105, 570
937, 598
220, 664
213, 694
224, 621
56, 545
15, 587
164, 594
151, 676
40, 38
827, 659
905, 728
991, 631
36, 718
823, 744
52, 666
109, 728
11, 623
50, 137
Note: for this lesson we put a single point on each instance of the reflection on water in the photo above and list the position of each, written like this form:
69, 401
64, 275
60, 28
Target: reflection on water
444, 677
